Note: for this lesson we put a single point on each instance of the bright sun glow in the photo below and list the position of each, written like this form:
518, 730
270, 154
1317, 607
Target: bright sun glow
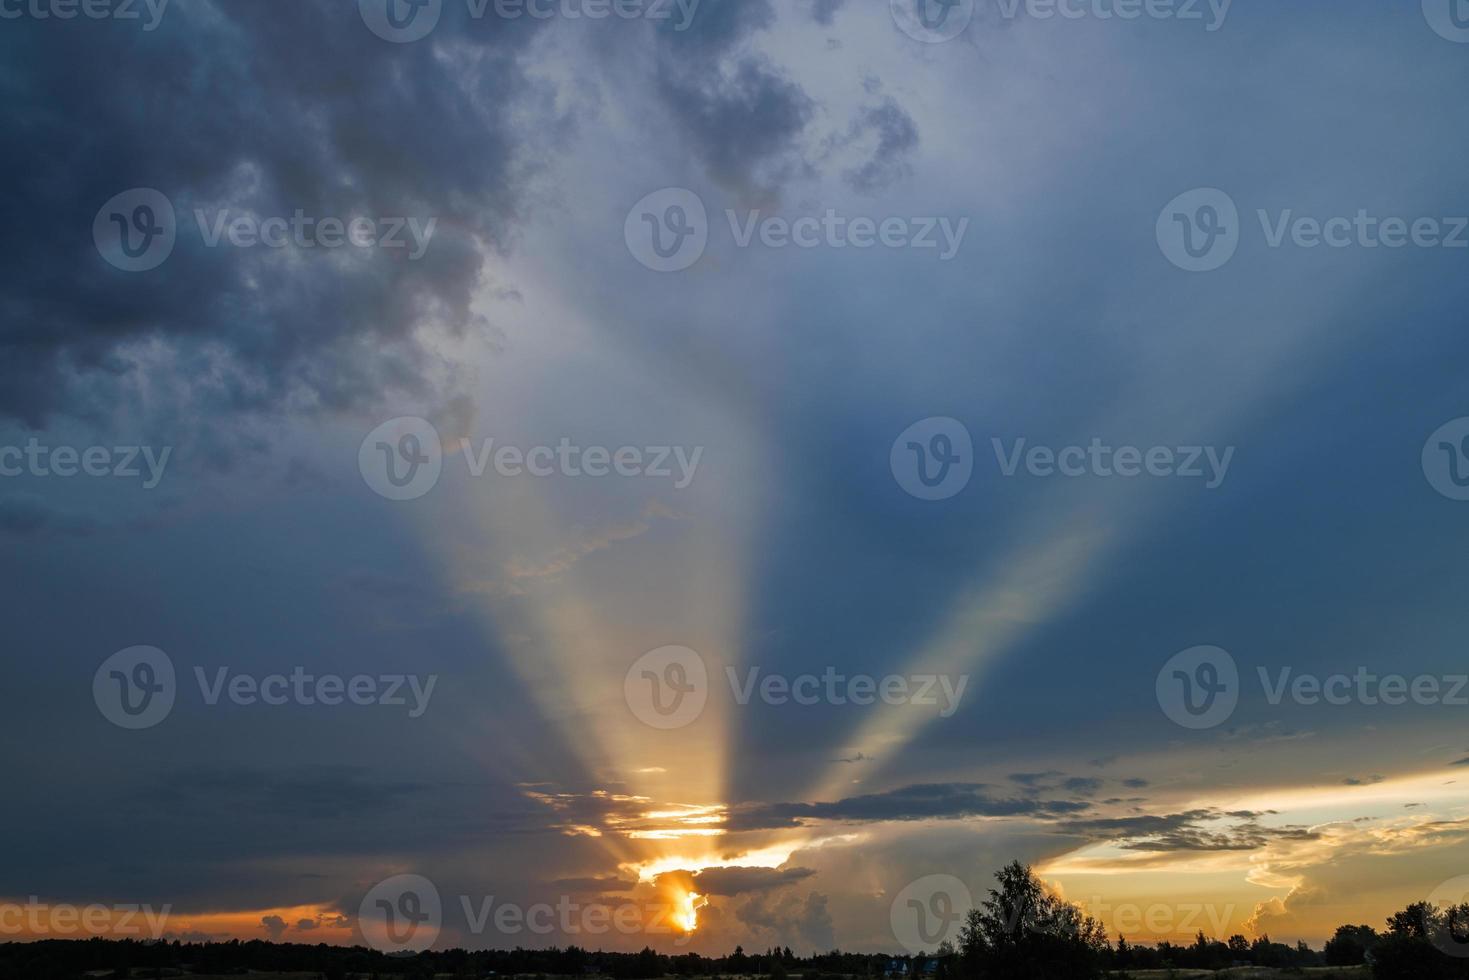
772, 856
686, 910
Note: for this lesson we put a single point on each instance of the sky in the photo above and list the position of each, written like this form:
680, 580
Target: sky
760, 465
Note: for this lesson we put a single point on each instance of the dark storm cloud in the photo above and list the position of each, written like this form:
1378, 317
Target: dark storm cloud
736, 110
926, 802
738, 881
1191, 830
300, 793
896, 136
260, 108
824, 11
732, 881
787, 918
270, 108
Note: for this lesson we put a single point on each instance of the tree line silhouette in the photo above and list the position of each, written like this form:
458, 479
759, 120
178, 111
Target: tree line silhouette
1019, 932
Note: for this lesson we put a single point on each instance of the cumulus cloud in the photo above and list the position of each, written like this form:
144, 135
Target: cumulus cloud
733, 881
891, 135
824, 11
733, 106
268, 125
789, 919
275, 927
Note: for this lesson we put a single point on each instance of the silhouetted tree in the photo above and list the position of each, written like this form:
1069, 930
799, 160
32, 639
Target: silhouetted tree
1349, 946
1023, 932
